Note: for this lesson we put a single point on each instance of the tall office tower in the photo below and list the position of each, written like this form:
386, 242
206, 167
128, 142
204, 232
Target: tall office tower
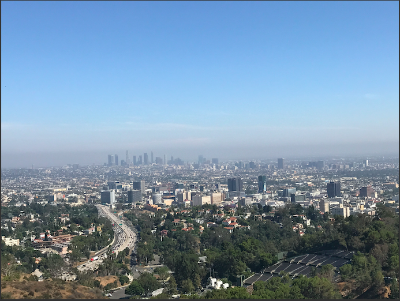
333, 189
288, 191
324, 205
159, 161
146, 159
116, 159
262, 184
235, 184
139, 185
127, 157
140, 162
366, 192
157, 198
134, 160
108, 197
280, 163
134, 196
110, 162
252, 165
111, 185
152, 158
214, 161
201, 159
241, 164
366, 163
320, 165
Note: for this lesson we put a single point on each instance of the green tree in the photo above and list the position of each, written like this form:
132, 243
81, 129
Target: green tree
327, 271
172, 286
123, 279
162, 272
197, 281
187, 286
346, 271
134, 289
394, 290
148, 282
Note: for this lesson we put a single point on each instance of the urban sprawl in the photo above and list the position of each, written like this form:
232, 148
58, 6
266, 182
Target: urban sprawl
146, 227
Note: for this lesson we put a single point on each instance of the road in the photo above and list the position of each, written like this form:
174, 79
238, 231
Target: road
119, 294
124, 237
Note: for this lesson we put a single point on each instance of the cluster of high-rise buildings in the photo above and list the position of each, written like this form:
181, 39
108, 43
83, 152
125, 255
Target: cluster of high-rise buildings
135, 192
113, 160
145, 160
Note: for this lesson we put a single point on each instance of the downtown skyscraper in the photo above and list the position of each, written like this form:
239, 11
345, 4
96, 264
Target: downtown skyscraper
281, 163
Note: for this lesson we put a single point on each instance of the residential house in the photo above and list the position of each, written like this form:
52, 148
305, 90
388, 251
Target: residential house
230, 229
211, 224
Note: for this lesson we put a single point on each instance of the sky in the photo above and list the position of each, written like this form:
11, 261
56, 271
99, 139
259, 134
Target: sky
233, 80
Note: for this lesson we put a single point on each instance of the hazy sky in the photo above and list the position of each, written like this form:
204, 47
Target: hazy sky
223, 79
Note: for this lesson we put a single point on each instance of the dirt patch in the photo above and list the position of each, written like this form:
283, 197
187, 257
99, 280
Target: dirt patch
104, 280
345, 287
79, 263
385, 292
48, 290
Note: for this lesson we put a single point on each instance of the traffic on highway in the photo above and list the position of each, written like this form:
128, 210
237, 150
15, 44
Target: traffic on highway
124, 237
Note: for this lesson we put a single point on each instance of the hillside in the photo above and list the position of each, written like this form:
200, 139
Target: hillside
48, 290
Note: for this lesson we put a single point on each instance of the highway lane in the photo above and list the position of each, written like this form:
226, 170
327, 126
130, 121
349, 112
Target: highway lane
128, 238
124, 237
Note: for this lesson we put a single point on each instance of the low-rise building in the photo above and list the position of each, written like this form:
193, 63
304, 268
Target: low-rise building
10, 241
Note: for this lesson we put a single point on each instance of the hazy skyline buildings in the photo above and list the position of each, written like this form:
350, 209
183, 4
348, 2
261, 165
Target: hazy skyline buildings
281, 163
127, 157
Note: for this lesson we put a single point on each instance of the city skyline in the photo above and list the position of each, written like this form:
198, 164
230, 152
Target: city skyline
45, 160
232, 80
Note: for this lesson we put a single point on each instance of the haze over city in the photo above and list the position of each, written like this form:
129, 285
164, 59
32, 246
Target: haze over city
233, 80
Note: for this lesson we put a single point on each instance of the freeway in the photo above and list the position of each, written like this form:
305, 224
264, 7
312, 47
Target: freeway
124, 237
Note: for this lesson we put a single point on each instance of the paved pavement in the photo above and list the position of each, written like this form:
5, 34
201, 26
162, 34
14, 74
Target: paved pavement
124, 238
138, 269
119, 294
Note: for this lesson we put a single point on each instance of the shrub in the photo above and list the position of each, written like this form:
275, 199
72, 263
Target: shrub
5, 295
